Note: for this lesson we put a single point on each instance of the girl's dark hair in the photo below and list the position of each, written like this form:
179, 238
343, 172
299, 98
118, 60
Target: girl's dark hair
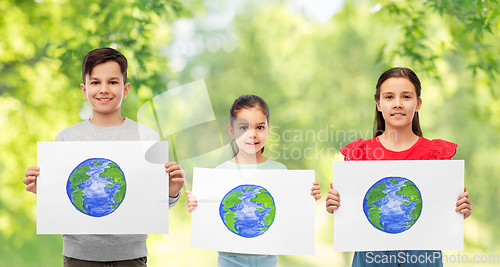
246, 102
398, 72
103, 55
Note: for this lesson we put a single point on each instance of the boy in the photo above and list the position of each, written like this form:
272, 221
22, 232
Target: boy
104, 85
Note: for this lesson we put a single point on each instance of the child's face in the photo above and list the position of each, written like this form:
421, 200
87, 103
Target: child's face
104, 88
398, 102
250, 130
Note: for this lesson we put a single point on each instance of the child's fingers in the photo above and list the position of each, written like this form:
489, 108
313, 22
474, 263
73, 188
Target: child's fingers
192, 202
463, 210
331, 185
29, 179
31, 173
463, 200
464, 194
315, 192
173, 168
333, 192
187, 192
192, 207
31, 188
463, 206
34, 168
177, 173
466, 213
331, 209
177, 180
332, 196
330, 202
169, 164
191, 198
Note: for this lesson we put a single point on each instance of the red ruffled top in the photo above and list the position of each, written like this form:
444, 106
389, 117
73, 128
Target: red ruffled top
423, 149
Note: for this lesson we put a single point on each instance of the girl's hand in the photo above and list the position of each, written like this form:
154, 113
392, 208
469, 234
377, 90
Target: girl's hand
464, 204
30, 178
175, 178
332, 200
191, 201
315, 191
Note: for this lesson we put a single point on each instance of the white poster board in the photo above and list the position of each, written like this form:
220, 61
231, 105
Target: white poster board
292, 230
393, 205
102, 188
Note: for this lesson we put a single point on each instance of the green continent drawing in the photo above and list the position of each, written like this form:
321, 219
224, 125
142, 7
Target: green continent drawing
393, 204
96, 187
248, 210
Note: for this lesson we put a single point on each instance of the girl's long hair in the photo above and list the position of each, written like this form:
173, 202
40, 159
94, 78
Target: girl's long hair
398, 72
246, 102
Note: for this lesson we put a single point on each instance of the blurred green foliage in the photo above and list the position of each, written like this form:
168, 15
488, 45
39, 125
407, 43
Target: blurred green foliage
318, 78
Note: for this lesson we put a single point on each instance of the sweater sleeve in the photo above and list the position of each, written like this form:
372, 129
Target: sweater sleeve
173, 200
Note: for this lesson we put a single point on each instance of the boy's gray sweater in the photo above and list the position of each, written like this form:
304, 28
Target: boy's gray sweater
107, 247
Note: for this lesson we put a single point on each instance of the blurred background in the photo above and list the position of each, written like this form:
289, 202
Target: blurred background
316, 63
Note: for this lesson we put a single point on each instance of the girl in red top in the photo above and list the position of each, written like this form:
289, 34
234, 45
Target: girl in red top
398, 137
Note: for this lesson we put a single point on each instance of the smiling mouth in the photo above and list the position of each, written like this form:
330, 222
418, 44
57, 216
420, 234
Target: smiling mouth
104, 99
397, 115
252, 144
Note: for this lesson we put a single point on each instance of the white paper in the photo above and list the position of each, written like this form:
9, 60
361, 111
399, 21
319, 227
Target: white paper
292, 231
439, 227
144, 209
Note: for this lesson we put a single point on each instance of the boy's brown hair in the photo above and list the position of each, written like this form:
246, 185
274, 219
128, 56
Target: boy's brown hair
103, 55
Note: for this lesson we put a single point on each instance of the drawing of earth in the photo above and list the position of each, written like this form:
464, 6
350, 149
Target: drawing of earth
96, 187
247, 210
393, 204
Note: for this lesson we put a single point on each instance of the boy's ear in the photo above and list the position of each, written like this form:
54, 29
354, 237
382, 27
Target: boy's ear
84, 90
230, 129
126, 90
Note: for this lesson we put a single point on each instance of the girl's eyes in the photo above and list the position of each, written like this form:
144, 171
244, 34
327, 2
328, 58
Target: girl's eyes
406, 97
244, 128
388, 97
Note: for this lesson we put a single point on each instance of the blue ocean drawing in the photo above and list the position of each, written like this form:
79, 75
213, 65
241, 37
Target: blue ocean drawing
248, 210
96, 187
393, 204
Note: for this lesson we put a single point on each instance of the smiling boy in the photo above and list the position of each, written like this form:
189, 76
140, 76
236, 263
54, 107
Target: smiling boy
104, 85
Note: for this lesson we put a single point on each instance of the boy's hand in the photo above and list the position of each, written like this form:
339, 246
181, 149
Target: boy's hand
30, 180
176, 178
332, 200
464, 204
191, 201
315, 191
